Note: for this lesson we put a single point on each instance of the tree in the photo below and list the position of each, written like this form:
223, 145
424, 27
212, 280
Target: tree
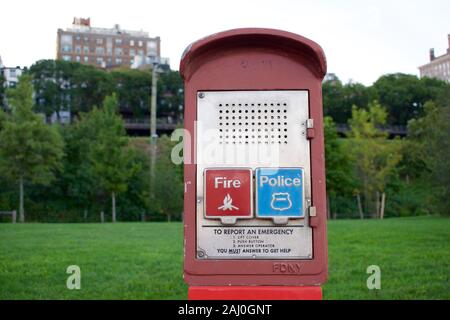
68, 86
77, 181
111, 162
29, 149
71, 86
133, 90
167, 198
52, 81
429, 138
338, 170
134, 199
374, 157
333, 102
90, 86
404, 95
339, 98
170, 95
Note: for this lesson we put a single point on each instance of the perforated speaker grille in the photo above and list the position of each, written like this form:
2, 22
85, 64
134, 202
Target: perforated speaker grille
264, 122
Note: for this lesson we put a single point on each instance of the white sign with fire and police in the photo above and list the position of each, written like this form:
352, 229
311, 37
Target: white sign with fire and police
254, 206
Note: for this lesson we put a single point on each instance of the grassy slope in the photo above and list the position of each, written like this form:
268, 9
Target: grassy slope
144, 260
413, 254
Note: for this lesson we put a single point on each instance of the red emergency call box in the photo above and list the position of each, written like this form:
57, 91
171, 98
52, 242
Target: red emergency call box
254, 167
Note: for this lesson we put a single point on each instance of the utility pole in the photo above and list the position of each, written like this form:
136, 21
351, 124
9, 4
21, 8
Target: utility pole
153, 134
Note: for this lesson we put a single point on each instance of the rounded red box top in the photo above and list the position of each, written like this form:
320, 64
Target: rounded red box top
256, 37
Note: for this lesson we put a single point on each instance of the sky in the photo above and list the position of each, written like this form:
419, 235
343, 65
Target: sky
362, 39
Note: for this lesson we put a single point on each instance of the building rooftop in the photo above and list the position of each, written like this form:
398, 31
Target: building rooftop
81, 25
433, 57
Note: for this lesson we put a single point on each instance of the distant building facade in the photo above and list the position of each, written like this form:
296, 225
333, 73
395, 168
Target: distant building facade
11, 76
438, 67
106, 48
10, 79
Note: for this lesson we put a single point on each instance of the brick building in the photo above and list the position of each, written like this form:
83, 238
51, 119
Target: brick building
438, 67
106, 48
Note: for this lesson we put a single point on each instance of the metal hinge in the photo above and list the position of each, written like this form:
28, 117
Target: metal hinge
312, 211
186, 186
309, 123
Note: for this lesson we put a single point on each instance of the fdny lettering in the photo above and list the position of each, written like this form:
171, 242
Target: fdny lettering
226, 183
286, 267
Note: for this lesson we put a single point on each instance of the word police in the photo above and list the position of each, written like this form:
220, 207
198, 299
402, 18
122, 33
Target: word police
279, 181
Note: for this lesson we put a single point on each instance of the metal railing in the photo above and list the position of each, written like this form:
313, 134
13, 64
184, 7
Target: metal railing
144, 124
391, 130
13, 215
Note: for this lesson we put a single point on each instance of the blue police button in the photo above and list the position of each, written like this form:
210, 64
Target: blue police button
279, 192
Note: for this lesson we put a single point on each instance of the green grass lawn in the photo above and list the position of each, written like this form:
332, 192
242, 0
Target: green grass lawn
144, 260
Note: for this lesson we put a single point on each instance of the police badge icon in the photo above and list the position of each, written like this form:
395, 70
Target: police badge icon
281, 201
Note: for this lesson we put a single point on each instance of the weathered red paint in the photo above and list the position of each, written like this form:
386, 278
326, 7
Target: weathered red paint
255, 293
256, 59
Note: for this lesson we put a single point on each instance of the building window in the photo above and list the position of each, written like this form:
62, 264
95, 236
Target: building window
151, 48
151, 45
66, 43
99, 61
86, 50
140, 52
77, 58
100, 51
132, 52
118, 41
140, 43
86, 39
86, 59
12, 73
77, 38
131, 61
109, 46
118, 51
78, 49
66, 39
131, 42
99, 41
66, 58
118, 61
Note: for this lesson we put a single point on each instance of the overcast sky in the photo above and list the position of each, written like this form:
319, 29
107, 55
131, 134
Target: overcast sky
361, 39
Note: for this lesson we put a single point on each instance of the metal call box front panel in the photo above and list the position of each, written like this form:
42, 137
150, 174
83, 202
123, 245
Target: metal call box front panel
253, 175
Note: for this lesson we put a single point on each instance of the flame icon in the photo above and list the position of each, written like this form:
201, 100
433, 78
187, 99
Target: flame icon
228, 204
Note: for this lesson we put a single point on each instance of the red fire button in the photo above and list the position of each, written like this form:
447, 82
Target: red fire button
228, 194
